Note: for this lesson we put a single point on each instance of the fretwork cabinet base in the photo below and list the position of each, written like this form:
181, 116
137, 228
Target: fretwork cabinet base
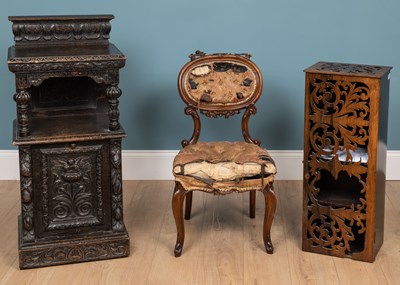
346, 113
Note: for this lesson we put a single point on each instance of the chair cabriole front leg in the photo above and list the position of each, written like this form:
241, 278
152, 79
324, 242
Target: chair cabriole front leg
177, 208
270, 208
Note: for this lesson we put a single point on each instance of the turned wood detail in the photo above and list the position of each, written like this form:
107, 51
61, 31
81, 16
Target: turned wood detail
113, 93
23, 100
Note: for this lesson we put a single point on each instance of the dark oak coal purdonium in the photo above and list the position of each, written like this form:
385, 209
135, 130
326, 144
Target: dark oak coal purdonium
346, 114
69, 138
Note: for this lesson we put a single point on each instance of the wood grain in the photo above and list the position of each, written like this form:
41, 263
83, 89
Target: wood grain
223, 245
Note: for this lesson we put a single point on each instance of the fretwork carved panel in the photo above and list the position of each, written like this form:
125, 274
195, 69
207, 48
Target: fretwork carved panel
340, 155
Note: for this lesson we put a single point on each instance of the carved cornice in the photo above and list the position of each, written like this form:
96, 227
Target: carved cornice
54, 59
35, 79
35, 64
61, 30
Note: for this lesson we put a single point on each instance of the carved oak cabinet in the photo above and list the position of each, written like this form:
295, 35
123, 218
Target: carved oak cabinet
69, 138
346, 113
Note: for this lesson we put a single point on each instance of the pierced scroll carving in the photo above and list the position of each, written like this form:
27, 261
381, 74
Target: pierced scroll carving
338, 120
219, 113
339, 117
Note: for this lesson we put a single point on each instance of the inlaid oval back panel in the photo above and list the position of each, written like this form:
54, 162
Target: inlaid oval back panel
220, 82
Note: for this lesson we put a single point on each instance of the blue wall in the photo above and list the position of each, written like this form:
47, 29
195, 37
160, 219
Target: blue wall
283, 36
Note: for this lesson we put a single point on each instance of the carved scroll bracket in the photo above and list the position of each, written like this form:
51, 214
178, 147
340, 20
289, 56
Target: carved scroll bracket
197, 126
251, 110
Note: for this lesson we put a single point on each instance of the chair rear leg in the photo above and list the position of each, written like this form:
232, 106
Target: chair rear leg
177, 209
252, 204
188, 205
270, 208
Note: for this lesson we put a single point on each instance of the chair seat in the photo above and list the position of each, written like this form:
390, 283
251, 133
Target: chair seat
223, 166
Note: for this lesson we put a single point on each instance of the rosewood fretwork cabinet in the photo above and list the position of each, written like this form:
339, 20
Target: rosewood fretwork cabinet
346, 114
69, 139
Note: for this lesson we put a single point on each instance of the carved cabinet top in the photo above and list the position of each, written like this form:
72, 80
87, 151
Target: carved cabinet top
50, 43
349, 69
61, 30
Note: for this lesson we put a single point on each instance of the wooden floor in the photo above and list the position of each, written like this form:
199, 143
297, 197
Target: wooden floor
223, 246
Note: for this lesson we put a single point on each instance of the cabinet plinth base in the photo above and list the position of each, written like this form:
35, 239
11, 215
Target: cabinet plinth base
67, 251
359, 256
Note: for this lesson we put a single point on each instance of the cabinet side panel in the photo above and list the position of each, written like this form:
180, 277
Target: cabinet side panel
305, 244
381, 163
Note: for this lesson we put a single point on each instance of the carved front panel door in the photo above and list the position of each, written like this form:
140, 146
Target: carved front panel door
71, 188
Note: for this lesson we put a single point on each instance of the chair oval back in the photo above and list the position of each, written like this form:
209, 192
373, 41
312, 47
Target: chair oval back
217, 83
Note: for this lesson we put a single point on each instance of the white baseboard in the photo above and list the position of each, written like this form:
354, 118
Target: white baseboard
157, 164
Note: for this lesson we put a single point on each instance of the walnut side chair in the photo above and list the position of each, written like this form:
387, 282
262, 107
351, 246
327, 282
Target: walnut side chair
221, 85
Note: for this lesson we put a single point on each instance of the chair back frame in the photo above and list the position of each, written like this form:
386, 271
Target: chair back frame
220, 85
